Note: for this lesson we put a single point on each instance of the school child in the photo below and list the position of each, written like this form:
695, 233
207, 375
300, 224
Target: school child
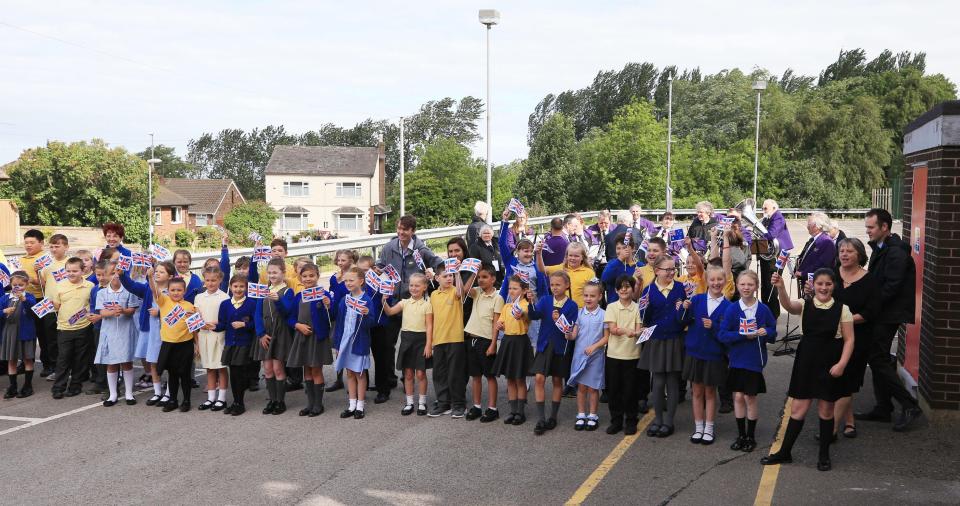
623, 264
71, 299
694, 272
236, 320
449, 354
311, 348
352, 339
210, 341
574, 264
115, 307
662, 354
149, 341
18, 341
746, 347
591, 335
552, 345
248, 269
416, 341
822, 356
656, 247
482, 343
179, 345
46, 326
100, 281
88, 264
222, 265
182, 260
521, 261
515, 356
704, 365
274, 335
344, 259
278, 248
620, 368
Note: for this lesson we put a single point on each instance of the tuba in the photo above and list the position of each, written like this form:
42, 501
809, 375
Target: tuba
772, 248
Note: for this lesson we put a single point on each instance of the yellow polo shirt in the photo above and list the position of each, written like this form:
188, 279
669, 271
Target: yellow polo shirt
71, 299
50, 283
625, 317
513, 326
447, 316
179, 332
293, 280
415, 313
699, 281
26, 262
647, 274
485, 306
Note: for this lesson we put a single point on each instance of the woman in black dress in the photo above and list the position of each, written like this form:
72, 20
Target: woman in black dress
818, 368
857, 290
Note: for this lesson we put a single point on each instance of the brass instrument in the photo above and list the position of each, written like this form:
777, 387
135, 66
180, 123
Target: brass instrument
767, 250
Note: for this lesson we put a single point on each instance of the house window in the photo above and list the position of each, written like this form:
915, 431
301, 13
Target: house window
349, 222
296, 189
203, 219
176, 215
294, 222
348, 189
157, 220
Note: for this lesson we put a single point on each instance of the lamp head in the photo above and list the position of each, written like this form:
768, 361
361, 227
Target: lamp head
489, 17
759, 85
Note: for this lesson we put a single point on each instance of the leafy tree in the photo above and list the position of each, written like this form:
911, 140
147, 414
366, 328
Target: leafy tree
253, 216
547, 176
171, 165
442, 189
238, 155
81, 184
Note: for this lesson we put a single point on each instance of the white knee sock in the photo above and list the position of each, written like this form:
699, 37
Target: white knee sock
423, 401
157, 389
222, 395
359, 405
112, 383
167, 393
211, 395
353, 404
128, 384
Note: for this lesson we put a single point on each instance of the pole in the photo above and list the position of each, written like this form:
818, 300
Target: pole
403, 200
489, 177
756, 151
150, 193
669, 138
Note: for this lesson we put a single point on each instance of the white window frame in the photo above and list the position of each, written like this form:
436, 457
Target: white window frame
301, 216
202, 220
176, 218
157, 216
304, 189
356, 190
357, 218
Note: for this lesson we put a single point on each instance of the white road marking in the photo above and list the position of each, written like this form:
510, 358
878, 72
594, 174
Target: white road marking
19, 419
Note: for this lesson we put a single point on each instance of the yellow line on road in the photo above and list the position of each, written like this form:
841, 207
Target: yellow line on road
768, 481
612, 458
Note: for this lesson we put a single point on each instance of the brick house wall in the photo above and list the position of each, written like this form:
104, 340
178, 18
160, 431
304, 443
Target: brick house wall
166, 228
231, 200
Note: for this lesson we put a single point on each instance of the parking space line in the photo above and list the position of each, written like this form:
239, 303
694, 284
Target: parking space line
19, 419
607, 464
768, 481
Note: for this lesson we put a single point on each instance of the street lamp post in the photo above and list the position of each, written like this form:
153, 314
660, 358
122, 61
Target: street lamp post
488, 18
403, 200
150, 168
759, 85
669, 138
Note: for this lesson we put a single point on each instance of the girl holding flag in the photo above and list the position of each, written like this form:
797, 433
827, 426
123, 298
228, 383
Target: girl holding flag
746, 328
416, 338
311, 344
560, 313
149, 341
590, 334
275, 335
18, 340
515, 356
355, 317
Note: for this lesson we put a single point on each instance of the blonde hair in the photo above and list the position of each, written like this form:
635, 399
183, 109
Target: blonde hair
751, 274
579, 247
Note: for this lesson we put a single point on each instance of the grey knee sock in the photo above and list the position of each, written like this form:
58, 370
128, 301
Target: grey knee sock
541, 408
308, 389
673, 397
281, 387
271, 389
522, 403
658, 385
318, 396
554, 409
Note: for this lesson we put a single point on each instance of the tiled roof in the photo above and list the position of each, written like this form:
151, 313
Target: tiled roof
163, 196
323, 161
205, 195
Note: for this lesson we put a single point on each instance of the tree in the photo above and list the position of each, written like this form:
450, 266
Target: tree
442, 189
237, 155
170, 164
547, 177
81, 184
253, 216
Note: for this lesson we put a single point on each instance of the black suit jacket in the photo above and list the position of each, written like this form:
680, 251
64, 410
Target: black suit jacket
896, 273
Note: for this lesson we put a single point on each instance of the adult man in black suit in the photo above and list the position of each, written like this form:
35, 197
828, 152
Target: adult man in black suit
892, 265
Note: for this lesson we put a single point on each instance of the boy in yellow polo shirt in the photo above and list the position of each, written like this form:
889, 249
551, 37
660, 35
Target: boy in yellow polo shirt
449, 355
482, 347
46, 326
623, 320
178, 344
74, 330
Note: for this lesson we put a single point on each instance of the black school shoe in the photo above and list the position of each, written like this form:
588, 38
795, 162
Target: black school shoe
130, 402
509, 419
185, 406
205, 405
347, 413
317, 411
218, 406
408, 410
358, 414
614, 428
519, 419
152, 401
749, 444
551, 423
268, 409
25, 392
170, 405
72, 393
57, 395
489, 415
279, 408
540, 428
107, 403
473, 413
738, 443
10, 393
237, 409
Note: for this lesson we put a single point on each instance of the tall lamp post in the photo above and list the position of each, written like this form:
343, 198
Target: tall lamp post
151, 163
759, 86
669, 138
488, 18
403, 200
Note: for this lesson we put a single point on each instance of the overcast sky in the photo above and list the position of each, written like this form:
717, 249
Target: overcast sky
78, 69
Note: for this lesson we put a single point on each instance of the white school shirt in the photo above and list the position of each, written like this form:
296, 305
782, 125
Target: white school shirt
749, 312
713, 304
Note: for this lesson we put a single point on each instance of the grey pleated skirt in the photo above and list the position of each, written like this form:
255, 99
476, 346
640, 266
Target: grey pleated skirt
662, 355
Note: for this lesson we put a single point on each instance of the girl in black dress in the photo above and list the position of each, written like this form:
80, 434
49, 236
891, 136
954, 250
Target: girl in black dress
856, 289
818, 368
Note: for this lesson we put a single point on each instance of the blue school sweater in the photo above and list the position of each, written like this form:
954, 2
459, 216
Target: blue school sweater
549, 333
284, 305
744, 353
28, 329
339, 289
541, 286
701, 342
661, 311
319, 317
361, 344
614, 269
229, 314
143, 291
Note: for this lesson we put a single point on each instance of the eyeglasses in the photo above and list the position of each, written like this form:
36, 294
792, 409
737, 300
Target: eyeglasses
667, 270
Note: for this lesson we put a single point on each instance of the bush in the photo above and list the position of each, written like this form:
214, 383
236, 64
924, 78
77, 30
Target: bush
254, 216
184, 238
208, 237
163, 240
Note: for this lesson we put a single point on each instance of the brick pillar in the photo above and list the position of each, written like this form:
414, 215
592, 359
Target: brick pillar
933, 140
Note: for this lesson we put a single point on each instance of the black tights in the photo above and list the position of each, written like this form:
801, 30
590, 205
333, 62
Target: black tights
179, 365
238, 382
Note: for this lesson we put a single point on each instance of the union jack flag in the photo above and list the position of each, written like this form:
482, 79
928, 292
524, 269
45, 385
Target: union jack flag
524, 276
387, 286
690, 289
257, 290
43, 308
470, 265
15, 263
372, 280
125, 263
4, 279
783, 259
261, 254
645, 335
59, 275
419, 260
564, 325
357, 304
159, 252
450, 265
748, 326
312, 294
515, 206
644, 301
195, 322
42, 262
141, 259
546, 247
392, 273
174, 316
725, 223
255, 237
515, 310
79, 315
112, 306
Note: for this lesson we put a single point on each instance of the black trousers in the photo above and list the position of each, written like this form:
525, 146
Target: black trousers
98, 372
622, 384
47, 338
883, 366
449, 378
72, 358
768, 292
383, 346
177, 360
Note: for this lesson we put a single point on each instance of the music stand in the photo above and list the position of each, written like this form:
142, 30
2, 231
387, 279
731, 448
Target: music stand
792, 334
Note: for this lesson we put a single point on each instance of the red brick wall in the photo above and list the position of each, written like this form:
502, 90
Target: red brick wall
166, 228
233, 199
939, 378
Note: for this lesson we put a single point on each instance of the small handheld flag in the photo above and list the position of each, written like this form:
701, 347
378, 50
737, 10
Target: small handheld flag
645, 335
15, 263
255, 237
643, 302
676, 235
782, 259
261, 254
141, 260
524, 276
195, 322
748, 326
59, 275
451, 265
257, 290
112, 306
810, 277
564, 325
690, 289
43, 308
372, 280
387, 286
125, 263
418, 258
357, 304
42, 262
159, 252
174, 316
79, 315
312, 294
515, 310
392, 273
546, 247
4, 279
515, 206
471, 265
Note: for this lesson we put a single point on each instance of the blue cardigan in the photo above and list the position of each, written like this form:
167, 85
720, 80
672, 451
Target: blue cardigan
143, 291
285, 306
361, 344
744, 353
319, 317
614, 269
549, 333
701, 342
661, 311
28, 329
229, 314
511, 262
